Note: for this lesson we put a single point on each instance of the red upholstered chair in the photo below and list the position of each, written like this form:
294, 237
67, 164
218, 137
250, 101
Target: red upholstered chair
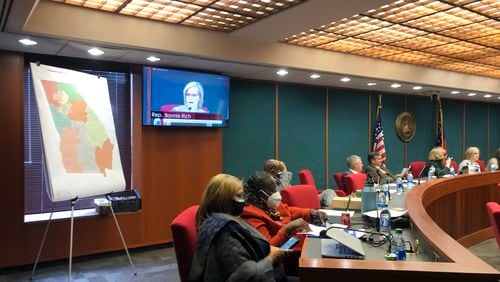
455, 166
494, 215
306, 178
354, 182
338, 179
481, 165
302, 196
185, 233
417, 167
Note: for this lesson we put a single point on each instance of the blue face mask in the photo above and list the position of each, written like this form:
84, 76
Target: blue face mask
237, 207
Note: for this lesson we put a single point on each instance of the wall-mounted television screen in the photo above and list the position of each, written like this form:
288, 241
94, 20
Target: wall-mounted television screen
184, 98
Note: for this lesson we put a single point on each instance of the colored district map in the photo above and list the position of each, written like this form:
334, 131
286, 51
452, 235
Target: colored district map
84, 145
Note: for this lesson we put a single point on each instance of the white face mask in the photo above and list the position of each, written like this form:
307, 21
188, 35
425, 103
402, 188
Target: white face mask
274, 200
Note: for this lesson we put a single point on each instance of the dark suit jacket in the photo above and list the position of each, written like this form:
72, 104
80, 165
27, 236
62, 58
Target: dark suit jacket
382, 174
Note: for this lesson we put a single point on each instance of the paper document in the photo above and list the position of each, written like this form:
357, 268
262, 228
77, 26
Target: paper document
336, 212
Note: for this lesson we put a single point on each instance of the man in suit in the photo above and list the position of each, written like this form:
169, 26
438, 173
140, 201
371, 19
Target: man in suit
354, 166
376, 172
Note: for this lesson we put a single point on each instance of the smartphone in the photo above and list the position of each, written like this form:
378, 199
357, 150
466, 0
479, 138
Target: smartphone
290, 243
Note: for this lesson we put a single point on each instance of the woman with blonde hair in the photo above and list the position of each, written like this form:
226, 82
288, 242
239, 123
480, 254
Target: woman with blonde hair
471, 157
437, 159
229, 249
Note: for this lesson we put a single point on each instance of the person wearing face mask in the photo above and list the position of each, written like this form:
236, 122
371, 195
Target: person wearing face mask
229, 249
274, 219
280, 173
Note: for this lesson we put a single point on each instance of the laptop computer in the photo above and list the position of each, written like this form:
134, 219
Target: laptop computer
342, 245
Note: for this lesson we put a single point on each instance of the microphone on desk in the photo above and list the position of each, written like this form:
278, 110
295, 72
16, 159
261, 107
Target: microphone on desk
369, 240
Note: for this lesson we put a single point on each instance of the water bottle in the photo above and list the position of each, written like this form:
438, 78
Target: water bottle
398, 245
385, 220
430, 175
381, 200
409, 179
399, 185
493, 167
387, 193
452, 171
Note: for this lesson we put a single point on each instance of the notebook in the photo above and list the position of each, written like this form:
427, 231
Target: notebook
343, 245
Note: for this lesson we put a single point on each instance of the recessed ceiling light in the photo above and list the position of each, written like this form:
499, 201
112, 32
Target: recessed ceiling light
455, 92
371, 84
282, 72
417, 87
471, 94
315, 76
153, 59
498, 97
27, 42
345, 79
488, 96
95, 52
395, 85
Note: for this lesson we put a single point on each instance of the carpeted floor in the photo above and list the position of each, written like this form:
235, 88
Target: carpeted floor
152, 264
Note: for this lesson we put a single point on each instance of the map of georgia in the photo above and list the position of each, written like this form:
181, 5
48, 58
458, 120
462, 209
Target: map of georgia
84, 145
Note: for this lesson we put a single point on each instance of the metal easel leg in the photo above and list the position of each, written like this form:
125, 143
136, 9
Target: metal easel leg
73, 201
123, 240
43, 241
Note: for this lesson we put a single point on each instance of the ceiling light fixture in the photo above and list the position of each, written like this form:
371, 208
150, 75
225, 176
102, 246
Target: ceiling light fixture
315, 76
371, 84
95, 52
488, 96
455, 92
417, 87
345, 79
471, 94
395, 85
282, 72
153, 59
28, 42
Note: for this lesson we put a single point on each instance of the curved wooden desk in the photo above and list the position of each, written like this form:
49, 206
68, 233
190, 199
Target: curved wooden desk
448, 214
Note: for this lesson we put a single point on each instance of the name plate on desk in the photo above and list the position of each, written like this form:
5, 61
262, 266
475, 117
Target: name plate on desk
341, 203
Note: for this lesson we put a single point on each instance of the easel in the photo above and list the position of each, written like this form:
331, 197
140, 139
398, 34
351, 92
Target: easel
73, 202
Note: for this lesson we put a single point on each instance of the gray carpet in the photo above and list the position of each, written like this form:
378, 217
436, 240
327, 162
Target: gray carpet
488, 251
152, 264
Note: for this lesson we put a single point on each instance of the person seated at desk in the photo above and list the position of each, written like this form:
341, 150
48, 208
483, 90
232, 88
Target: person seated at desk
354, 166
229, 249
494, 161
274, 219
376, 172
437, 159
279, 172
471, 157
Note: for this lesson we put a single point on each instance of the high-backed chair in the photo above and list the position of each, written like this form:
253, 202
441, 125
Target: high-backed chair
354, 182
494, 215
306, 178
338, 179
302, 196
417, 167
455, 166
481, 164
185, 233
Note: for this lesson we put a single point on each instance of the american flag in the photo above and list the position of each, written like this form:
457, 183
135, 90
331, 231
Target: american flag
440, 140
378, 136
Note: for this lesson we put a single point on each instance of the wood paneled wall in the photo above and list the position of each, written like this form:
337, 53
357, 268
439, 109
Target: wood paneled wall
171, 167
